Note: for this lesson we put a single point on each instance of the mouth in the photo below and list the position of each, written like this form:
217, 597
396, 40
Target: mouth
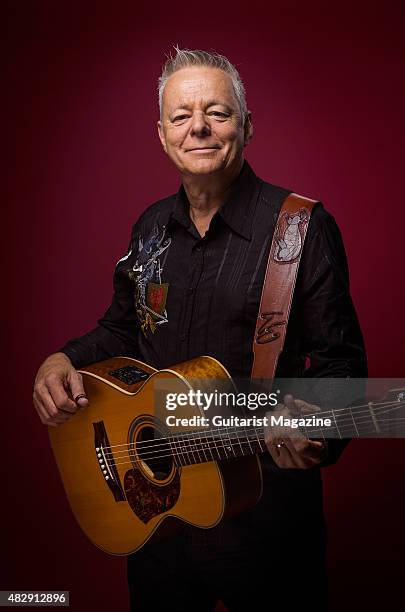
203, 149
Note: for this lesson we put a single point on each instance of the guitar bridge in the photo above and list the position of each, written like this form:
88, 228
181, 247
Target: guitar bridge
106, 461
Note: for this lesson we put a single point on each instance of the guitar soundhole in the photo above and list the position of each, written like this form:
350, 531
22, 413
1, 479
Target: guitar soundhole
154, 453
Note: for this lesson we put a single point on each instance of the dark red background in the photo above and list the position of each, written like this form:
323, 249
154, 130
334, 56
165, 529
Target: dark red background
325, 86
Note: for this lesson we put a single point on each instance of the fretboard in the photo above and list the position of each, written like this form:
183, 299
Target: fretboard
203, 445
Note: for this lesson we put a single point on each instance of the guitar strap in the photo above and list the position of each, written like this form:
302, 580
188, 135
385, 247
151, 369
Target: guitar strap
279, 283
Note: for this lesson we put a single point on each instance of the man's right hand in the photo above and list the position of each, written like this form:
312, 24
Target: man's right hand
56, 384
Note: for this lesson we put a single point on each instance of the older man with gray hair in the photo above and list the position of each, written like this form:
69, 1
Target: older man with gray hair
205, 249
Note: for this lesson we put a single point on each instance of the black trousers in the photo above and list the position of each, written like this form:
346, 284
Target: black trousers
248, 568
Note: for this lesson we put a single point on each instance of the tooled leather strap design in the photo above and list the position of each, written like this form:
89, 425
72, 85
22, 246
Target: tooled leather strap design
279, 283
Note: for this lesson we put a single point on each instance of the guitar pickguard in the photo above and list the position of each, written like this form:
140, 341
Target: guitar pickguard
146, 499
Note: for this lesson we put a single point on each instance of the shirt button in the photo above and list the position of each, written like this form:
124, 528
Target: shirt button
191, 289
183, 337
198, 249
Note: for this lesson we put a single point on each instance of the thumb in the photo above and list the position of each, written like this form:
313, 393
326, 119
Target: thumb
289, 403
305, 407
77, 389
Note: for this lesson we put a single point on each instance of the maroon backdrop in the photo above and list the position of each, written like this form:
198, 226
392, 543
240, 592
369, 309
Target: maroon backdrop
326, 91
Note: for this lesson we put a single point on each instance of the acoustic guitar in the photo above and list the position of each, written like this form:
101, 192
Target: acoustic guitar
130, 479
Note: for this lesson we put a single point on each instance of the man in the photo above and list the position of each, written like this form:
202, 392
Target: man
189, 285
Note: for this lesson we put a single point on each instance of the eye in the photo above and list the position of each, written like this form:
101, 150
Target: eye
219, 114
179, 118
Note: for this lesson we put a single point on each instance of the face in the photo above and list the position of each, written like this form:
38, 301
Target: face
202, 130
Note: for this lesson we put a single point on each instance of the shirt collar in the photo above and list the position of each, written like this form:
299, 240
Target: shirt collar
236, 211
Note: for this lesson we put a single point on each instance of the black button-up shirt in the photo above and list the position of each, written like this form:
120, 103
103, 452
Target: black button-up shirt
178, 295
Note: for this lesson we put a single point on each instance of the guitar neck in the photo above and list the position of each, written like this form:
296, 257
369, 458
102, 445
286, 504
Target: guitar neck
247, 435
201, 446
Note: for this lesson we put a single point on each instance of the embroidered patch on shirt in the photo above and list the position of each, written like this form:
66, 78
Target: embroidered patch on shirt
156, 296
150, 292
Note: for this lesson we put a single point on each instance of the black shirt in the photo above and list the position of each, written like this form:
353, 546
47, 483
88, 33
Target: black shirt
179, 296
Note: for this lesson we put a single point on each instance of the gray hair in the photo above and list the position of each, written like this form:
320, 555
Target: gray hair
185, 58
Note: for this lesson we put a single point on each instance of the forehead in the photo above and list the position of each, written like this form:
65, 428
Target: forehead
198, 84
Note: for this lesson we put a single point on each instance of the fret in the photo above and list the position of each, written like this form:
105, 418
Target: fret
364, 422
178, 450
240, 447
174, 452
216, 447
250, 446
202, 446
236, 446
354, 422
231, 443
259, 441
336, 425
185, 449
374, 419
306, 431
323, 435
219, 442
193, 451
209, 447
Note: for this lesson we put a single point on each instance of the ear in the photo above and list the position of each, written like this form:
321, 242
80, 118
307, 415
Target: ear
248, 128
161, 135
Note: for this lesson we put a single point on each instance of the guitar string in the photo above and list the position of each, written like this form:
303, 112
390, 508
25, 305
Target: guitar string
193, 451
396, 404
200, 446
236, 432
314, 430
356, 413
205, 447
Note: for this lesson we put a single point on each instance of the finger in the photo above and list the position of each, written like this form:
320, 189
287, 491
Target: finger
75, 382
52, 412
44, 416
316, 448
274, 440
279, 451
60, 418
275, 453
316, 443
283, 432
307, 453
289, 403
306, 407
285, 459
296, 459
42, 413
59, 396
46, 401
298, 406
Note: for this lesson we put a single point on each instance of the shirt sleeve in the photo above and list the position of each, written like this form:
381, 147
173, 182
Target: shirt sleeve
117, 330
325, 330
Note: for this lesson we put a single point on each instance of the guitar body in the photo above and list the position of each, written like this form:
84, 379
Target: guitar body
123, 484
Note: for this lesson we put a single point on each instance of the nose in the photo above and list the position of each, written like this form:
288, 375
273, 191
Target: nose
199, 125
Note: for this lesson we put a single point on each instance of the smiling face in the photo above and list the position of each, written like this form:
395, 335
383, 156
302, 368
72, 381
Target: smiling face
202, 130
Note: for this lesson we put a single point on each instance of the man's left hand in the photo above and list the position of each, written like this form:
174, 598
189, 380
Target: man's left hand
289, 447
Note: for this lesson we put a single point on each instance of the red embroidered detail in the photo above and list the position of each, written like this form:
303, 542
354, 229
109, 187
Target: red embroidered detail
156, 296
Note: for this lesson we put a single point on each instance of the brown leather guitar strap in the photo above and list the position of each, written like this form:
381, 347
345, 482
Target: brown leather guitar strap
279, 283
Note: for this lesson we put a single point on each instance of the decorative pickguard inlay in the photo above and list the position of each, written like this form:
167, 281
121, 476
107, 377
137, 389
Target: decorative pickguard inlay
146, 499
